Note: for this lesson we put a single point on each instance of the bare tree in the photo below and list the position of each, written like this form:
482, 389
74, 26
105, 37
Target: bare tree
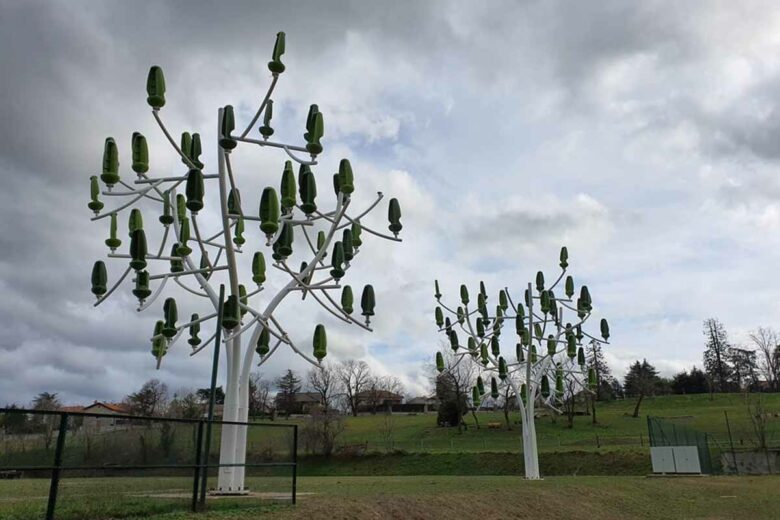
320, 432
354, 377
151, 399
387, 431
259, 394
460, 377
767, 343
508, 398
759, 418
379, 390
325, 381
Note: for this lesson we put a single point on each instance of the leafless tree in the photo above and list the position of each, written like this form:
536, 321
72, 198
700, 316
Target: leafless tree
325, 381
378, 390
354, 377
387, 431
150, 400
461, 376
754, 404
507, 405
321, 431
767, 342
259, 394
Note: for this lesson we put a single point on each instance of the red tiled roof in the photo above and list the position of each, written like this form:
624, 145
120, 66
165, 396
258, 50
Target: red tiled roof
114, 407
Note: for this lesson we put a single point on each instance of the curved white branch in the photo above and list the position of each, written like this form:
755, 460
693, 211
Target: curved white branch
121, 278
155, 295
262, 105
170, 140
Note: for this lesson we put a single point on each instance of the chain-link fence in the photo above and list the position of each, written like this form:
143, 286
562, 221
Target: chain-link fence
84, 465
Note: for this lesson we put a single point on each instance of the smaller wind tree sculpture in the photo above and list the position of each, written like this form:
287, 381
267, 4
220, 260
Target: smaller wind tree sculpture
548, 364
293, 211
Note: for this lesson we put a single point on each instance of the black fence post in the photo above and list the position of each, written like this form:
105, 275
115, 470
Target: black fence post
731, 442
196, 476
55, 472
295, 462
212, 394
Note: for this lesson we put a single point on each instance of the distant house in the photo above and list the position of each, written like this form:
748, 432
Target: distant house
107, 423
305, 402
378, 400
421, 404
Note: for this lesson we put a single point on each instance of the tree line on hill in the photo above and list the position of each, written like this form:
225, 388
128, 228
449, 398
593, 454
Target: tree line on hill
726, 368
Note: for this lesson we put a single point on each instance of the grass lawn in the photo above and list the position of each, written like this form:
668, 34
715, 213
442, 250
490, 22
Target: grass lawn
415, 497
616, 429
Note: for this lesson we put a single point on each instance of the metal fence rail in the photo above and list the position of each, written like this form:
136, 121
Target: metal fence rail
45, 424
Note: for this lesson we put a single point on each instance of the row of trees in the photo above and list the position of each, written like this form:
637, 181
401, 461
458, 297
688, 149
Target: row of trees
347, 387
731, 368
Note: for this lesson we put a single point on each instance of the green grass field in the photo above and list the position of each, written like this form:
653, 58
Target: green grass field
615, 428
604, 498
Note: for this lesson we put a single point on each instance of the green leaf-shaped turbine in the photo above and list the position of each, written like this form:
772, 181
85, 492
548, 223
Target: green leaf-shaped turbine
226, 140
275, 65
141, 290
258, 268
138, 250
99, 278
140, 153
110, 175
155, 88
269, 212
195, 190
394, 216
368, 300
194, 339
320, 342
94, 195
171, 316
263, 342
347, 299
230, 313
112, 241
337, 261
288, 188
308, 190
346, 178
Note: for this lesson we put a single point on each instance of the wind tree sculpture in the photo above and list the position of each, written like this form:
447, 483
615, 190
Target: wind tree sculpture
331, 242
550, 364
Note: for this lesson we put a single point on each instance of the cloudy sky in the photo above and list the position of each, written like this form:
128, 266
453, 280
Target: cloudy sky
644, 136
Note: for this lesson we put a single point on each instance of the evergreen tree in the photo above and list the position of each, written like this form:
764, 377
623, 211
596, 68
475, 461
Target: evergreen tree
716, 356
204, 394
744, 366
693, 382
288, 386
641, 380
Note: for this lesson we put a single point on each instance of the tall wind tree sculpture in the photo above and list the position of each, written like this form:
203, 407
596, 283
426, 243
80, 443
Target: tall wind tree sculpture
330, 242
549, 362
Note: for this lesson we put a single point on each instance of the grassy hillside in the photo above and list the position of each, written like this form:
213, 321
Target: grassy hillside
615, 428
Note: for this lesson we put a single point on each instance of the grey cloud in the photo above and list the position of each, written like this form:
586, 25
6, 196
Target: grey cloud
461, 85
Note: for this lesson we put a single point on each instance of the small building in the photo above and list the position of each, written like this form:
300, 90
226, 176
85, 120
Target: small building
421, 404
95, 424
304, 403
378, 401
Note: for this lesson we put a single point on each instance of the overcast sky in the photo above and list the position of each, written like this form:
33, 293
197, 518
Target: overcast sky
645, 136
